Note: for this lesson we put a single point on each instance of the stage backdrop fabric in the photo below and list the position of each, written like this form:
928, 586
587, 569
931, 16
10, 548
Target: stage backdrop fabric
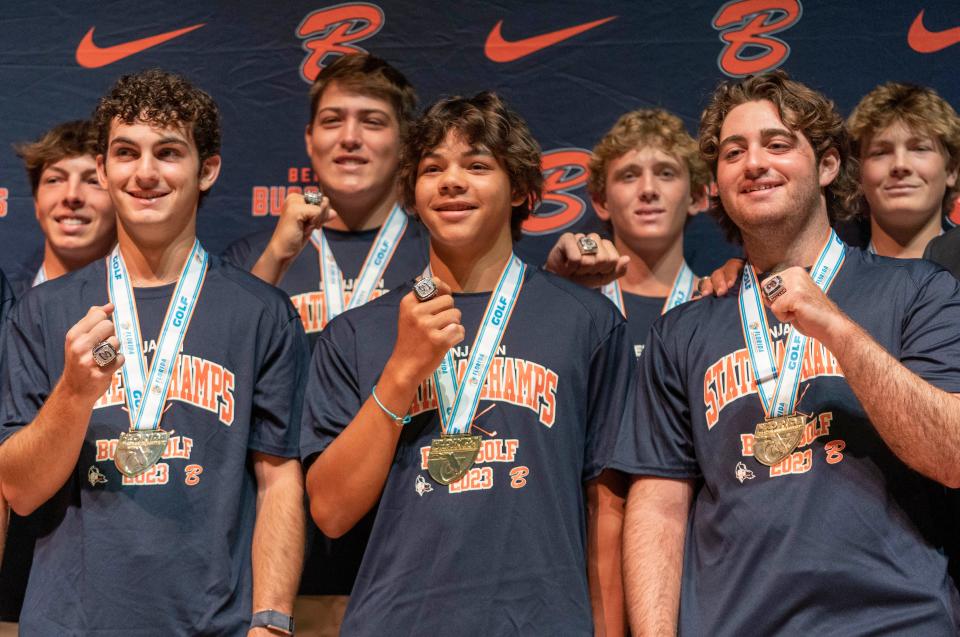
570, 68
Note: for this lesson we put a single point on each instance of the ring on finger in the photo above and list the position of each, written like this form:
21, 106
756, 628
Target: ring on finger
773, 288
425, 289
103, 353
313, 198
587, 245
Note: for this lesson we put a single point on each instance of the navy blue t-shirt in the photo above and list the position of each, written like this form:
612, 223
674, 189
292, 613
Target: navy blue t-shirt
331, 565
168, 552
839, 538
502, 551
642, 313
302, 280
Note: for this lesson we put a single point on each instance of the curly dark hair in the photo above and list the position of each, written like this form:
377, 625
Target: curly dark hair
163, 99
802, 109
369, 75
486, 122
69, 139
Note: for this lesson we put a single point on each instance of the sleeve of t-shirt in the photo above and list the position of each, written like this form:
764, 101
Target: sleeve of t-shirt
24, 382
239, 254
333, 390
278, 392
659, 442
930, 345
612, 385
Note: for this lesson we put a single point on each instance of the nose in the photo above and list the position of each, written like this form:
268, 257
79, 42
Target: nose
451, 181
648, 187
146, 174
901, 164
755, 161
350, 134
73, 197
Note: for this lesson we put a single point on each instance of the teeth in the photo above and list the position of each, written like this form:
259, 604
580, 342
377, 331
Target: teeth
73, 222
756, 188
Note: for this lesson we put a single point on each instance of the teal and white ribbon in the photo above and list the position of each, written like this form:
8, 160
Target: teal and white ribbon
681, 292
374, 266
778, 388
146, 394
457, 404
40, 277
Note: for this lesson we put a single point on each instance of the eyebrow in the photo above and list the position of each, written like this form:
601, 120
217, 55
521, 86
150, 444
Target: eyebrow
765, 133
472, 152
363, 111
170, 139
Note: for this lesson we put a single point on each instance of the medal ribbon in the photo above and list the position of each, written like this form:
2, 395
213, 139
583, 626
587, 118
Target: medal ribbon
680, 293
458, 404
778, 388
40, 277
145, 394
378, 258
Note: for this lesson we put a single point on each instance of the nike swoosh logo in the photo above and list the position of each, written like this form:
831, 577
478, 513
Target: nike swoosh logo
922, 40
91, 56
499, 50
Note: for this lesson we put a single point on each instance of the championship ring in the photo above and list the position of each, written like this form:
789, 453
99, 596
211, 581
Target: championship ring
137, 451
451, 456
103, 353
425, 289
313, 198
587, 245
776, 438
773, 288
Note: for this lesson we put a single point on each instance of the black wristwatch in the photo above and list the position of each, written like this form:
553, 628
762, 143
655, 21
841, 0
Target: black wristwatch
272, 620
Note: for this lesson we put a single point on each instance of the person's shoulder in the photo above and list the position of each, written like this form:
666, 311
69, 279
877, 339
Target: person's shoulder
247, 291
873, 266
948, 240
551, 289
247, 248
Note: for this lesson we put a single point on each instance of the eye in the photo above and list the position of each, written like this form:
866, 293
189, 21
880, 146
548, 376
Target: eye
123, 152
375, 122
52, 179
329, 121
479, 166
169, 153
628, 176
731, 153
779, 145
428, 169
877, 152
668, 173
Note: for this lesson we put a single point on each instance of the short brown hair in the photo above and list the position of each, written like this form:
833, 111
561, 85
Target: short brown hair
802, 109
369, 75
486, 122
163, 99
652, 127
919, 108
69, 139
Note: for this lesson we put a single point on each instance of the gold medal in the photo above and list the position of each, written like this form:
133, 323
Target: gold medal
137, 451
452, 456
776, 438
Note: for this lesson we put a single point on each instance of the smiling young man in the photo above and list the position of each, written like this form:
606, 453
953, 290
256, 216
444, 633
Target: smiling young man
802, 436
74, 213
480, 527
646, 180
78, 224
169, 494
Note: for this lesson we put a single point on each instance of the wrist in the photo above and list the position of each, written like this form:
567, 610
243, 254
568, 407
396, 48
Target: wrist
274, 621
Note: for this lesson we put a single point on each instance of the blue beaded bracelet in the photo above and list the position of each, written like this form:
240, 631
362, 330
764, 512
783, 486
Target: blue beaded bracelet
397, 419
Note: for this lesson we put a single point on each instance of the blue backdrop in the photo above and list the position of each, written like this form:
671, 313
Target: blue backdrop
571, 68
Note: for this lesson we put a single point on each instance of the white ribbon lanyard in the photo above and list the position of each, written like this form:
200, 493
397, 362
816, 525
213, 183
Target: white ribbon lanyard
146, 395
778, 388
458, 404
378, 258
680, 293
40, 277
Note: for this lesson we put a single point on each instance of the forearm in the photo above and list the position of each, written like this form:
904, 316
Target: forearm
55, 436
271, 266
278, 535
606, 498
654, 531
346, 479
906, 411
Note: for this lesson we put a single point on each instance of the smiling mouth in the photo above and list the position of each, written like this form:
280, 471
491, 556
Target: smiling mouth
759, 188
350, 161
455, 206
147, 195
72, 221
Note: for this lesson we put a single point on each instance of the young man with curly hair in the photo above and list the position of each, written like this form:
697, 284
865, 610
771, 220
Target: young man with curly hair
791, 441
646, 180
481, 526
151, 404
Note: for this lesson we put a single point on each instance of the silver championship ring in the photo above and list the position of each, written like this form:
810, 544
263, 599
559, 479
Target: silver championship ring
773, 288
425, 289
104, 354
313, 198
587, 245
